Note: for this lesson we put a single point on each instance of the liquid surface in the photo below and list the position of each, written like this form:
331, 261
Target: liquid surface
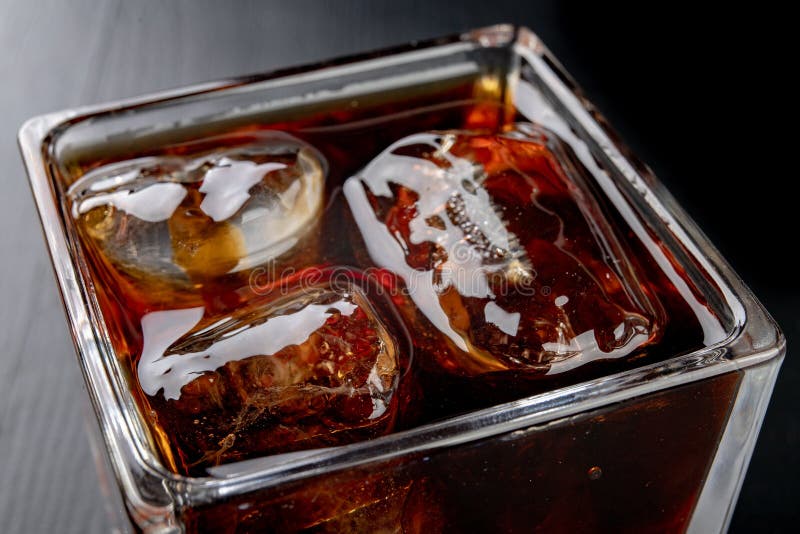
273, 291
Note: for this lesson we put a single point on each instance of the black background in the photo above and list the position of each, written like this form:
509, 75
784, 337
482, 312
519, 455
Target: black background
697, 94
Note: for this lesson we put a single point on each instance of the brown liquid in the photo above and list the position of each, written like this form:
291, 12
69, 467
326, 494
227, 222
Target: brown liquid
632, 468
321, 389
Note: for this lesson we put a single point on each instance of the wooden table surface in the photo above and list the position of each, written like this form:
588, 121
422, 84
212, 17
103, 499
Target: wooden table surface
56, 54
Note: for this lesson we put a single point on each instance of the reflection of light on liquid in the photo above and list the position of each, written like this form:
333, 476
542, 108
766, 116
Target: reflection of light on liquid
154, 203
227, 186
489, 87
464, 268
162, 329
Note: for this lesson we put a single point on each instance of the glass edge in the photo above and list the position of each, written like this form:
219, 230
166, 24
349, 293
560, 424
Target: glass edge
489, 36
753, 317
723, 482
130, 468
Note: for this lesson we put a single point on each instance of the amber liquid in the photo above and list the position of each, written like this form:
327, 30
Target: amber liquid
521, 485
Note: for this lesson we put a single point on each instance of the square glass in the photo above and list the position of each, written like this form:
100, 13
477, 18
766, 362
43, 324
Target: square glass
661, 445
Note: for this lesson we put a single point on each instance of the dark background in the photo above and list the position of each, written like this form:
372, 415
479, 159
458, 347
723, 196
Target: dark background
690, 91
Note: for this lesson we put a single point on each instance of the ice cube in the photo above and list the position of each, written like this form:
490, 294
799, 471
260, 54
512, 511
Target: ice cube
205, 214
504, 251
316, 368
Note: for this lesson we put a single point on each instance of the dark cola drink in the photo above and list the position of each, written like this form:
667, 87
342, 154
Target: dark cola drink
296, 286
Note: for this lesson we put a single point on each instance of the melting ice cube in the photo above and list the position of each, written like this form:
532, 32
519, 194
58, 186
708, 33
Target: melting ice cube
203, 214
317, 368
503, 250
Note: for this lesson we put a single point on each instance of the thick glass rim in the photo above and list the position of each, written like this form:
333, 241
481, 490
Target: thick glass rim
754, 338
